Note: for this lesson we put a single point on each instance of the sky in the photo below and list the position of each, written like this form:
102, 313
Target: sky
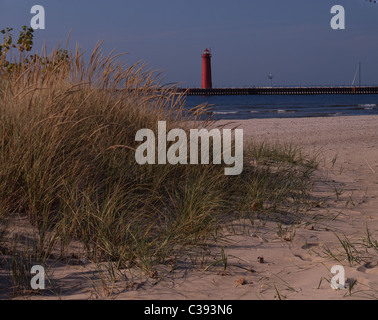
249, 39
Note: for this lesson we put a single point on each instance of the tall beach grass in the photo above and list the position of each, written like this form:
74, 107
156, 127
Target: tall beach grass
67, 154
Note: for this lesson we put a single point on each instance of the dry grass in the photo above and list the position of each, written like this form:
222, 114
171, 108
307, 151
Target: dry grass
67, 141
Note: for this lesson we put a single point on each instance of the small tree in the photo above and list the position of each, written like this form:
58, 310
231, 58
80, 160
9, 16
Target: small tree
24, 45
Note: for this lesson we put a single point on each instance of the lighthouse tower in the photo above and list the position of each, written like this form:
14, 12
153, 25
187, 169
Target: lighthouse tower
206, 70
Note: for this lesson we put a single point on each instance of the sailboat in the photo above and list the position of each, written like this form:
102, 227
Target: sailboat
358, 71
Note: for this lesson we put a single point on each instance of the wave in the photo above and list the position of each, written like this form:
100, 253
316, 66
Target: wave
367, 105
285, 111
225, 112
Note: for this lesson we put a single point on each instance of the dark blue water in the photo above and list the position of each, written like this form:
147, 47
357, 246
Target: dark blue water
291, 106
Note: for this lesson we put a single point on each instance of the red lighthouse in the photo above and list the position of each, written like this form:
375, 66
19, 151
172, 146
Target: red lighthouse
206, 70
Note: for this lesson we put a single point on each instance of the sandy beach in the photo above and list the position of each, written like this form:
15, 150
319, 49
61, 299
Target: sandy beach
261, 265
299, 269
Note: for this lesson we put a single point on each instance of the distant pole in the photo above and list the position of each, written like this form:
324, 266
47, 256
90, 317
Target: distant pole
271, 79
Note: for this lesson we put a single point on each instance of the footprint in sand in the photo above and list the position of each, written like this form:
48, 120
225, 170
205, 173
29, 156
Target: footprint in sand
369, 268
309, 246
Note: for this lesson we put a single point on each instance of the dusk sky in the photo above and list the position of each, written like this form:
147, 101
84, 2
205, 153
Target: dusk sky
249, 39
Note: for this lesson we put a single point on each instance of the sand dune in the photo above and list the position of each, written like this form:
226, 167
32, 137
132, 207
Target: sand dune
263, 265
300, 269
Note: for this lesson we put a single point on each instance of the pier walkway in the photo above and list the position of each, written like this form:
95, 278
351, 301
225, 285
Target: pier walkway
278, 91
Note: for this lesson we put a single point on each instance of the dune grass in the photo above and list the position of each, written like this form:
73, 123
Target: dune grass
67, 153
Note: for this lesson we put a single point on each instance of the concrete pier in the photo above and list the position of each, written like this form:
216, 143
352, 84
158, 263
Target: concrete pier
278, 91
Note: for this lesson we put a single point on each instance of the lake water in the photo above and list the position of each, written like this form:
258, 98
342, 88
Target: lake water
290, 106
